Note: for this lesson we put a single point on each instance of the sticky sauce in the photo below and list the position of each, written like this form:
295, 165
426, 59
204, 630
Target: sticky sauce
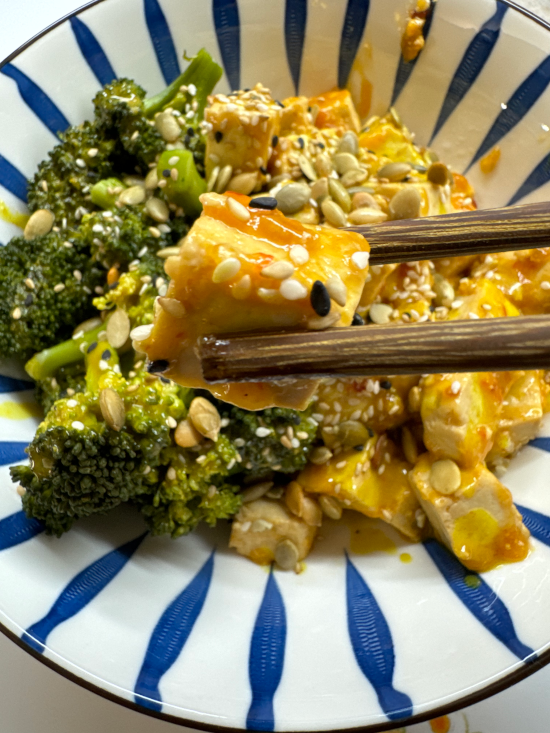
472, 581
441, 725
405, 558
11, 410
12, 217
366, 537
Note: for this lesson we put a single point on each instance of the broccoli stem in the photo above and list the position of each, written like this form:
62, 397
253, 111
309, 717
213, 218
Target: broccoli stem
185, 191
46, 363
203, 72
102, 192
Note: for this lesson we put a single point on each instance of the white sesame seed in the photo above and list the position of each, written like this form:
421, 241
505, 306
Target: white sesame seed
192, 89
341, 464
29, 283
301, 435
239, 442
293, 290
238, 210
226, 270
80, 163
299, 254
456, 303
59, 287
143, 251
473, 316
545, 285
455, 387
360, 260
98, 228
103, 365
171, 422
279, 270
16, 314
263, 432
77, 425
154, 232
174, 160
140, 333
77, 275
201, 459
295, 443
487, 306
72, 403
92, 152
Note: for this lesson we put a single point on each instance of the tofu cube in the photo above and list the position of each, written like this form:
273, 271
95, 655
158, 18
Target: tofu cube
336, 110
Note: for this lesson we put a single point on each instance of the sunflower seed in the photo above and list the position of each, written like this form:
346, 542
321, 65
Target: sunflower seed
186, 435
339, 195
223, 179
166, 124
286, 555
211, 184
306, 168
319, 189
118, 329
39, 223
151, 180
238, 210
323, 164
256, 492
157, 209
244, 183
205, 418
112, 408
366, 215
363, 199
394, 171
331, 507
333, 214
353, 178
360, 260
349, 143
132, 196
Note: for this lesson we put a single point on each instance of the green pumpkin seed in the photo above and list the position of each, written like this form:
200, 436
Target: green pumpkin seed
406, 204
293, 197
339, 194
394, 171
344, 162
333, 213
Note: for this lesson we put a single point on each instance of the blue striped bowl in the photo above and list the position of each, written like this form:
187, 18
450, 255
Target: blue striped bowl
185, 629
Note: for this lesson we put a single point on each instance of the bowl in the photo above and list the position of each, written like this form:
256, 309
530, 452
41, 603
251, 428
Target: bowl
376, 632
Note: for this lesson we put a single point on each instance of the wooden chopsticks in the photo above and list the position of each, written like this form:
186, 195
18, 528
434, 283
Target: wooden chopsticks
486, 345
464, 233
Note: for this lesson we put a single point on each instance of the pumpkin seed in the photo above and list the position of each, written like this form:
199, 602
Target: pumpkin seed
132, 196
320, 455
311, 512
172, 306
323, 164
406, 204
39, 223
362, 200
352, 433
306, 168
354, 178
410, 449
331, 507
337, 290
349, 143
380, 313
166, 124
344, 162
118, 329
292, 197
186, 435
394, 171
319, 190
438, 174
333, 213
256, 492
339, 195
205, 418
367, 215
223, 178
286, 555
444, 291
294, 498
445, 476
244, 183
112, 408
157, 209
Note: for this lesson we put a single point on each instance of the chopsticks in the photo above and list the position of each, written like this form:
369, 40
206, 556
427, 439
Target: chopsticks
464, 233
492, 344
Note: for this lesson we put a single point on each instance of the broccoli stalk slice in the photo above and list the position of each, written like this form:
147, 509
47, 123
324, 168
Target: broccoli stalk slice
184, 191
98, 360
203, 72
102, 192
46, 363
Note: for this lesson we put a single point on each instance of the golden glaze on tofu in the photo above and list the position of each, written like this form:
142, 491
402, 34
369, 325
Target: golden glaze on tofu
474, 515
245, 269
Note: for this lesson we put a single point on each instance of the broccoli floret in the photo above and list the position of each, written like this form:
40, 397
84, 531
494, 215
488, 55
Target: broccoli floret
45, 289
261, 455
193, 491
68, 381
63, 181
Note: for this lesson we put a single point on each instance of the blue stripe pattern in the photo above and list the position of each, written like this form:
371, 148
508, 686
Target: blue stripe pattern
16, 529
80, 591
12, 179
406, 68
480, 599
295, 31
538, 524
517, 107
541, 444
352, 32
170, 635
372, 644
471, 65
537, 178
37, 100
162, 40
92, 51
12, 452
9, 384
228, 32
267, 656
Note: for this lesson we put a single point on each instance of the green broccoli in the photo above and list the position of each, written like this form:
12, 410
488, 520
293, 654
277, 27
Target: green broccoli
45, 290
67, 382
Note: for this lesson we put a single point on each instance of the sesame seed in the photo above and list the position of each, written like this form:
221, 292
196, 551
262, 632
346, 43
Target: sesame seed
16, 314
360, 260
545, 285
279, 270
299, 254
456, 303
92, 152
263, 432
72, 403
320, 299
174, 160
226, 270
302, 435
98, 228
59, 287
77, 425
238, 210
171, 474
455, 387
174, 174
171, 422
201, 459
103, 365
285, 441
29, 283
140, 333
154, 232
77, 275
192, 89
80, 163
268, 203
143, 251
293, 290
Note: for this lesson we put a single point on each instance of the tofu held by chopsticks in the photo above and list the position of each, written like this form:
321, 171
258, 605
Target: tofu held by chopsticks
244, 266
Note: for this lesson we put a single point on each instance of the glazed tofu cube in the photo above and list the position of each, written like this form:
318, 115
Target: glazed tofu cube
243, 269
471, 512
521, 414
376, 488
482, 299
336, 110
241, 130
296, 117
460, 415
262, 525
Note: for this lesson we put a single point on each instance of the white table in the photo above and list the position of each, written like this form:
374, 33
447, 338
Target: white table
34, 699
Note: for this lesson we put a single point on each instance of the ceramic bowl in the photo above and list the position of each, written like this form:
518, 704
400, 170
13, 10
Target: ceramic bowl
375, 632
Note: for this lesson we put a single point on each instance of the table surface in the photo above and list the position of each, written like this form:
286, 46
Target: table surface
34, 699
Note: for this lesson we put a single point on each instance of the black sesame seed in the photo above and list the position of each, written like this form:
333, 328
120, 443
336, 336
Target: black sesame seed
218, 136
432, 309
370, 432
321, 145
106, 355
190, 131
91, 347
357, 320
274, 141
279, 103
263, 170
358, 448
385, 384
301, 143
296, 420
263, 202
165, 380
158, 366
247, 89
320, 299
112, 286
166, 173
29, 300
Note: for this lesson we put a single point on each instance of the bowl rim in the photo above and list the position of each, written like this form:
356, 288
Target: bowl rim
507, 681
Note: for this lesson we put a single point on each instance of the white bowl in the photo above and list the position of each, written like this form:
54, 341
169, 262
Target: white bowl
186, 629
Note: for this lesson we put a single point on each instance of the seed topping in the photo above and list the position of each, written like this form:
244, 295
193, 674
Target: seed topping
320, 299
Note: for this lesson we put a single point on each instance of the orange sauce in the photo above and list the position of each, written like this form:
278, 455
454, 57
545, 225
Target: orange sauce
441, 725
